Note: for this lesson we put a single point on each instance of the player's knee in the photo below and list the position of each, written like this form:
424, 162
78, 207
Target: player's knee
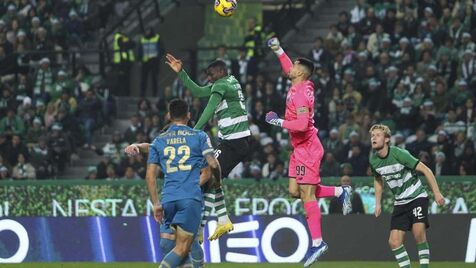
394, 243
294, 193
182, 250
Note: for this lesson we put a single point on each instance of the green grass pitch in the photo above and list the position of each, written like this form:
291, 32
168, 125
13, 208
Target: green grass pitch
350, 264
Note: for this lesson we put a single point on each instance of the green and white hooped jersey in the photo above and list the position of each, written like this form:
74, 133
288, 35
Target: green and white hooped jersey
397, 169
231, 112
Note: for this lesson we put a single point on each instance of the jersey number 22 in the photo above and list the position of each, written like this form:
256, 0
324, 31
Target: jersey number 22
171, 153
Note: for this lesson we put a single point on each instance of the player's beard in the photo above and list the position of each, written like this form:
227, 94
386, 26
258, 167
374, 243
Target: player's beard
379, 148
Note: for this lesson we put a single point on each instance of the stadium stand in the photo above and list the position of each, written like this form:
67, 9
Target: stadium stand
408, 64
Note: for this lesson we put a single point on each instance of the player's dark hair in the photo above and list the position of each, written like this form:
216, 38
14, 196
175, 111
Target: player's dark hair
308, 64
218, 65
178, 109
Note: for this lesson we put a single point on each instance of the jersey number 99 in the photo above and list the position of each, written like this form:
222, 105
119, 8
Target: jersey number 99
171, 153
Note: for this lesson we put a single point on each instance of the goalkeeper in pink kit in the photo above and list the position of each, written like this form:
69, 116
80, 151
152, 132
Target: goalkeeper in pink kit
305, 160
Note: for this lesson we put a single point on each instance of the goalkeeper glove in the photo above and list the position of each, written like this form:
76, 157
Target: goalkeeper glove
274, 44
273, 119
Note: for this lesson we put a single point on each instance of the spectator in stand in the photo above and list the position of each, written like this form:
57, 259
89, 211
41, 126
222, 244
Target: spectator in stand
130, 174
441, 167
35, 131
23, 170
144, 109
89, 109
111, 173
12, 124
335, 207
42, 159
270, 168
92, 174
330, 167
15, 148
134, 128
60, 146
4, 174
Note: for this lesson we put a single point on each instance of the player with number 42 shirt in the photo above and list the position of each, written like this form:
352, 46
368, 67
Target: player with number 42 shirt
399, 169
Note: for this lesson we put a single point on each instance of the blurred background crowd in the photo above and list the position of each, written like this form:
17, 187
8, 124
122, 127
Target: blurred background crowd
409, 64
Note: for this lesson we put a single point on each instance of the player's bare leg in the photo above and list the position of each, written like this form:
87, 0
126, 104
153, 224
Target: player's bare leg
183, 243
396, 244
419, 233
294, 188
313, 217
224, 224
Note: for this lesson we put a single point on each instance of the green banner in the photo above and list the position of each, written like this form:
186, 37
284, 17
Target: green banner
130, 198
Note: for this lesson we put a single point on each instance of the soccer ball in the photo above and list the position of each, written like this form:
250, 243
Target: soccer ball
225, 8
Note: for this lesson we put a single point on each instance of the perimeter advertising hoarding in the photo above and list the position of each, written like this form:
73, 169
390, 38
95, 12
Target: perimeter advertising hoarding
255, 239
243, 197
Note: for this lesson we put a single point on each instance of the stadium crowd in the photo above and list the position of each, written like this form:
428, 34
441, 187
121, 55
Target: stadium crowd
408, 64
47, 111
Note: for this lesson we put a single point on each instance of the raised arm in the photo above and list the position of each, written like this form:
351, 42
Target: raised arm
177, 66
285, 61
430, 177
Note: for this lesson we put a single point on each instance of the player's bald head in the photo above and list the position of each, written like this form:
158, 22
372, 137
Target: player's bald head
306, 65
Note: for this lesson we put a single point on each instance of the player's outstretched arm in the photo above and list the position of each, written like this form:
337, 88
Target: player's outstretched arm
285, 61
177, 66
214, 166
151, 179
135, 149
378, 186
430, 177
213, 102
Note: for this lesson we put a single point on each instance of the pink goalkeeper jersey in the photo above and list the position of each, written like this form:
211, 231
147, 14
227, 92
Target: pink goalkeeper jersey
299, 95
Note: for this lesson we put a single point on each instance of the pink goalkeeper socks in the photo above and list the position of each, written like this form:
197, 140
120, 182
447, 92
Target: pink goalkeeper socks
326, 191
313, 217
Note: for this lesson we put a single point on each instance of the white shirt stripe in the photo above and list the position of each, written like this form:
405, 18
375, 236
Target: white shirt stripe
226, 122
223, 105
399, 182
390, 169
234, 136
410, 190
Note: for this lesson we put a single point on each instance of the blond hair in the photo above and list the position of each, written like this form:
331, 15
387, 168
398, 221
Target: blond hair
382, 127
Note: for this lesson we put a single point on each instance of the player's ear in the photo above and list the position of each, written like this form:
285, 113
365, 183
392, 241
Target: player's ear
167, 116
189, 116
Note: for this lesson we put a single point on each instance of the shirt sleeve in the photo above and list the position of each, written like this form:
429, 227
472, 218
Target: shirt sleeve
153, 154
196, 90
406, 159
205, 144
302, 101
219, 88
